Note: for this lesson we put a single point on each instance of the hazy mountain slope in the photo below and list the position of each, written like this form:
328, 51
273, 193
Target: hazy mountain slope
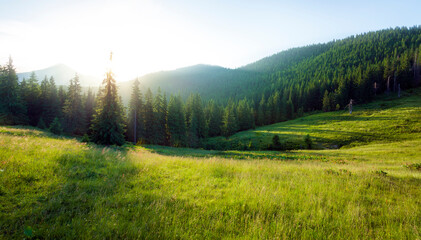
210, 81
62, 75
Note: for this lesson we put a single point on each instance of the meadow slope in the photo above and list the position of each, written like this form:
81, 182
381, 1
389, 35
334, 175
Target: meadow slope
388, 119
59, 188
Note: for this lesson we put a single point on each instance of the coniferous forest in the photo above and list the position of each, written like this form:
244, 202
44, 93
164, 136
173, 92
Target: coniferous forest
277, 88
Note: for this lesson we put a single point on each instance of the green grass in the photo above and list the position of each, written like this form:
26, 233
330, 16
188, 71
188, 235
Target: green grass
386, 120
56, 188
59, 188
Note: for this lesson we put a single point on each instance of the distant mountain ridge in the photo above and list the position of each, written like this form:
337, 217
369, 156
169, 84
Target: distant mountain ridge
62, 75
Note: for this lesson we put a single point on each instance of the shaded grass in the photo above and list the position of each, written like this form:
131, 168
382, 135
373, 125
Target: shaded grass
63, 189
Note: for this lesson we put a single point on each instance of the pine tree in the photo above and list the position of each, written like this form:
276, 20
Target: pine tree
261, 116
244, 116
195, 119
160, 109
135, 128
214, 119
44, 99
176, 122
290, 109
108, 122
230, 121
74, 117
326, 102
12, 108
89, 110
55, 127
52, 106
149, 118
30, 92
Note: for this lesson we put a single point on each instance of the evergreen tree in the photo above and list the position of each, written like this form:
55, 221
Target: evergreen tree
326, 102
244, 116
55, 127
89, 110
73, 110
62, 97
230, 121
290, 109
135, 128
31, 96
12, 108
108, 122
149, 118
51, 108
261, 112
176, 122
160, 109
196, 124
214, 119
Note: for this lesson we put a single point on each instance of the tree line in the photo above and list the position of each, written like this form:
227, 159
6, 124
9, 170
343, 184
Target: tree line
319, 77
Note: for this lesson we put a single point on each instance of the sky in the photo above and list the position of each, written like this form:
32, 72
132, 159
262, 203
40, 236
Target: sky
147, 36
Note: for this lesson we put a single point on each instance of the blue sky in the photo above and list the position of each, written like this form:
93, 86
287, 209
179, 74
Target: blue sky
148, 36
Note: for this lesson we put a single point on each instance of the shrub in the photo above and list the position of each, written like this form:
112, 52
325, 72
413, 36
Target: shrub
55, 127
308, 142
85, 138
276, 144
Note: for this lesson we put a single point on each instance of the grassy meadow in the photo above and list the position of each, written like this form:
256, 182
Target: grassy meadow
386, 120
59, 188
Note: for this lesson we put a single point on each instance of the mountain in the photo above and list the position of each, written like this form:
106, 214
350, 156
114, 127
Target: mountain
357, 67
62, 75
197, 78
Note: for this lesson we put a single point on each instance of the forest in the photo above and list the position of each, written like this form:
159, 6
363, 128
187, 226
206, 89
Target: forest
277, 88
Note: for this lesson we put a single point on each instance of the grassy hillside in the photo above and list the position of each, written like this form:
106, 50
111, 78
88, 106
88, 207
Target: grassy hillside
388, 119
58, 188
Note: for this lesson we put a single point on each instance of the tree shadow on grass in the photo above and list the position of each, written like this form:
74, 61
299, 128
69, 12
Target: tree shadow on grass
85, 178
102, 195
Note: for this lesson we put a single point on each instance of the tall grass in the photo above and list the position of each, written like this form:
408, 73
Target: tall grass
56, 188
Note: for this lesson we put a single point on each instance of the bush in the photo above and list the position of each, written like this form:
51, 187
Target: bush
276, 144
338, 107
308, 142
55, 127
85, 138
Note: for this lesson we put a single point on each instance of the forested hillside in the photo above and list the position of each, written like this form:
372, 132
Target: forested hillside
183, 107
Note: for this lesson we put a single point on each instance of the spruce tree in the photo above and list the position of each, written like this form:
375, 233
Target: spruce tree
51, 108
89, 105
12, 108
244, 115
230, 121
176, 122
214, 119
30, 92
326, 102
196, 125
74, 117
55, 127
149, 118
160, 109
108, 122
135, 128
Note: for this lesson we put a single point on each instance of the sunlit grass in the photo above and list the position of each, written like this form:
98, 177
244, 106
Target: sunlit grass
59, 188
386, 120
